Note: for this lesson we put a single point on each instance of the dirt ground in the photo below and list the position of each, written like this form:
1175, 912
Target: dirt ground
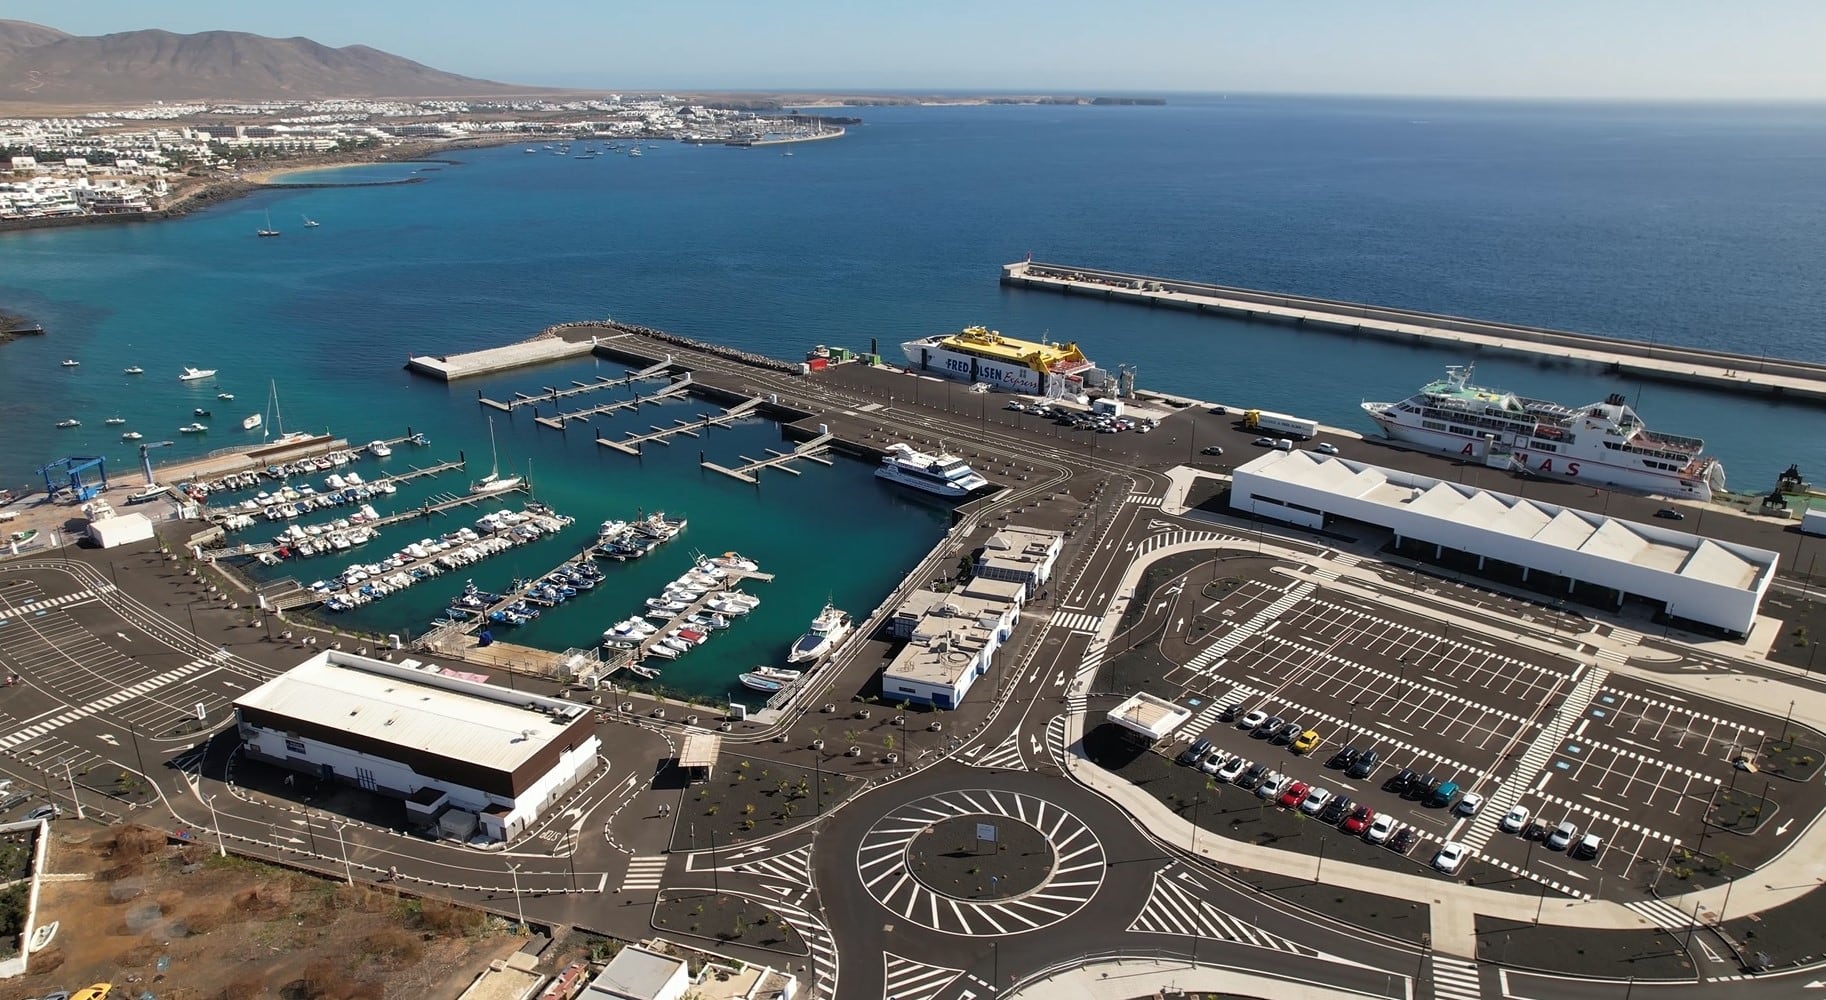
231, 928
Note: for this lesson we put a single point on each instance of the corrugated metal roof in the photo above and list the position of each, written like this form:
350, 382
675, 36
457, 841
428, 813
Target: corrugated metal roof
463, 720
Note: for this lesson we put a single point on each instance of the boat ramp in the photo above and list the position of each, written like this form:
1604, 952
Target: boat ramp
632, 445
552, 393
557, 420
812, 451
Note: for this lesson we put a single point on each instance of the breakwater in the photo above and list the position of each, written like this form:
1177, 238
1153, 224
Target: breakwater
1743, 373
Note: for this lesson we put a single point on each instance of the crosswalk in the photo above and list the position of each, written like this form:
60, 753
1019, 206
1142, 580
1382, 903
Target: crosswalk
644, 872
1174, 908
1455, 979
1626, 637
1077, 621
793, 866
822, 946
49, 603
1545, 745
1143, 500
1662, 914
1207, 716
1203, 662
905, 979
1055, 734
100, 704
1168, 538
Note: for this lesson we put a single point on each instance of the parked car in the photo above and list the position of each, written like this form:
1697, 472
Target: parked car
1212, 449
1194, 753
1451, 855
1306, 741
1283, 444
1271, 786
1253, 720
1670, 514
1232, 769
1403, 841
1286, 734
1268, 727
1292, 795
1442, 794
1359, 819
1263, 442
1213, 762
1401, 782
48, 811
1343, 758
1514, 820
1363, 765
1380, 829
1334, 812
1422, 788
1315, 801
1562, 835
1469, 805
1228, 712
1325, 448
1016, 407
1252, 777
1588, 846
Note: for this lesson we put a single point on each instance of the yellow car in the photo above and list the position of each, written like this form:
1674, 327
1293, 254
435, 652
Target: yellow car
1304, 742
99, 991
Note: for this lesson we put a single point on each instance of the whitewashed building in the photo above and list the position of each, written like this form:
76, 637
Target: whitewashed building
461, 754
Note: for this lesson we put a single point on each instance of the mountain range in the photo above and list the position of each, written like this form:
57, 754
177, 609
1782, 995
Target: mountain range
45, 66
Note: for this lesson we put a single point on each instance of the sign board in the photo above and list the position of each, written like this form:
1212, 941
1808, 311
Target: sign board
202, 712
985, 832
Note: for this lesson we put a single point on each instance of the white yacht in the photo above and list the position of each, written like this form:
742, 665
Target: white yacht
494, 482
379, 449
252, 422
945, 475
134, 370
830, 626
194, 374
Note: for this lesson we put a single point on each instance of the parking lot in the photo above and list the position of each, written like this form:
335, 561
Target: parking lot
1512, 724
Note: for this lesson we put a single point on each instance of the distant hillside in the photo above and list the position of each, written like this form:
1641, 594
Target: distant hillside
46, 66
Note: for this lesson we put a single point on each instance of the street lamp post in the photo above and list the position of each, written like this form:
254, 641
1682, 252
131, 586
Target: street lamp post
348, 871
67, 773
518, 909
216, 821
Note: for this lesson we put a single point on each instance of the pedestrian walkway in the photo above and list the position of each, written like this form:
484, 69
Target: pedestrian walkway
1077, 621
1211, 657
1454, 979
50, 603
1173, 909
1143, 500
645, 872
1587, 681
905, 979
1005, 755
84, 711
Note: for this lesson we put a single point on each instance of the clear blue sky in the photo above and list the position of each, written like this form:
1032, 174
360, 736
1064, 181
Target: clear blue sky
1535, 48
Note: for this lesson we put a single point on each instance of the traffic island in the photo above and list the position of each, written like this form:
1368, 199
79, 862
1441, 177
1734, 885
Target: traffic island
728, 917
980, 858
748, 798
1642, 955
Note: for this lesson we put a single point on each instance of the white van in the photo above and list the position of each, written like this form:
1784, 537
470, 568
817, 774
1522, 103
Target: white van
1283, 444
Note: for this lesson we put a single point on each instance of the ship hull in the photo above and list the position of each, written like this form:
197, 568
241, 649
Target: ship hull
1572, 467
933, 358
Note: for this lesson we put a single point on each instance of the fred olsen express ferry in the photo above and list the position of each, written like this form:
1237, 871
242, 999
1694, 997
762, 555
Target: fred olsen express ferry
978, 354
1604, 444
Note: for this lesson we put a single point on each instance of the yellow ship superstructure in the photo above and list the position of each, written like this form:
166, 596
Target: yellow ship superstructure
980, 354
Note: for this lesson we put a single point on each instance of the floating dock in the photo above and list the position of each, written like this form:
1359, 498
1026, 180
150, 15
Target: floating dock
734, 578
552, 394
557, 420
632, 445
1799, 380
812, 451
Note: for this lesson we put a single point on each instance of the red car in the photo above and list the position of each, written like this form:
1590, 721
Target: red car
1359, 820
1293, 795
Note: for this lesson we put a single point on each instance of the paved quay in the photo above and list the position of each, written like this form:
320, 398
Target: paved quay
1790, 379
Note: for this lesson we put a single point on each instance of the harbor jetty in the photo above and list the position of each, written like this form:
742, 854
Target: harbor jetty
1791, 379
632, 445
811, 450
552, 393
557, 420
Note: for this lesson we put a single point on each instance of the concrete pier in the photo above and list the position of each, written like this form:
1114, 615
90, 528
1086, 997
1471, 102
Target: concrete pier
557, 420
1800, 380
812, 450
540, 349
632, 445
552, 393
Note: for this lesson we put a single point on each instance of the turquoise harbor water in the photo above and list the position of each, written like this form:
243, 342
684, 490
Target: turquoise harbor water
1694, 225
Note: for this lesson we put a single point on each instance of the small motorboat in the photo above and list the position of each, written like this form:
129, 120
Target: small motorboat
252, 422
71, 363
200, 412
132, 436
193, 428
780, 674
71, 422
379, 449
115, 421
225, 395
151, 492
644, 673
134, 370
194, 374
756, 682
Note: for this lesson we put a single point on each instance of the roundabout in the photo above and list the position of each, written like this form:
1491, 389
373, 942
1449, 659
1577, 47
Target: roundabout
981, 861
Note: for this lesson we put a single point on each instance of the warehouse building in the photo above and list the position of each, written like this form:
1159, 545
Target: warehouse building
1595, 557
465, 757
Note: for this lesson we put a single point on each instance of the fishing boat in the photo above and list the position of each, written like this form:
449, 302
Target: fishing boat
115, 421
1603, 444
134, 370
71, 422
251, 422
193, 428
71, 363
379, 449
830, 626
780, 674
193, 374
268, 230
756, 682
153, 491
494, 482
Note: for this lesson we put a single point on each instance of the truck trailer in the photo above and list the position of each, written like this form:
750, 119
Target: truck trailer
1297, 428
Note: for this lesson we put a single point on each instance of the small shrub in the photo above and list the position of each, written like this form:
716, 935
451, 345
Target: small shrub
395, 943
245, 986
135, 842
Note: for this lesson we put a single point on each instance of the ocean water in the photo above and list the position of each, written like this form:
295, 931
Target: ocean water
1696, 225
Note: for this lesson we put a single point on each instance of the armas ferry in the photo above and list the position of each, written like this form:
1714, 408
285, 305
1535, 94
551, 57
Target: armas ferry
1604, 444
978, 354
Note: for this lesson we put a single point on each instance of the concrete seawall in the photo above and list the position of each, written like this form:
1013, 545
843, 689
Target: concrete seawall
1799, 380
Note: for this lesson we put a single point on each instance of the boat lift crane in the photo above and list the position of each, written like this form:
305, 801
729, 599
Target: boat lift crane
145, 463
76, 466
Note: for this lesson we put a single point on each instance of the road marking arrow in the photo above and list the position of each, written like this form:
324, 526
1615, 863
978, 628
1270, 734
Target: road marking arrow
110, 739
1782, 830
1817, 984
124, 637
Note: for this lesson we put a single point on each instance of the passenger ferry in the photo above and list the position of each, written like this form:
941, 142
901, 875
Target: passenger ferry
978, 354
1604, 444
945, 475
